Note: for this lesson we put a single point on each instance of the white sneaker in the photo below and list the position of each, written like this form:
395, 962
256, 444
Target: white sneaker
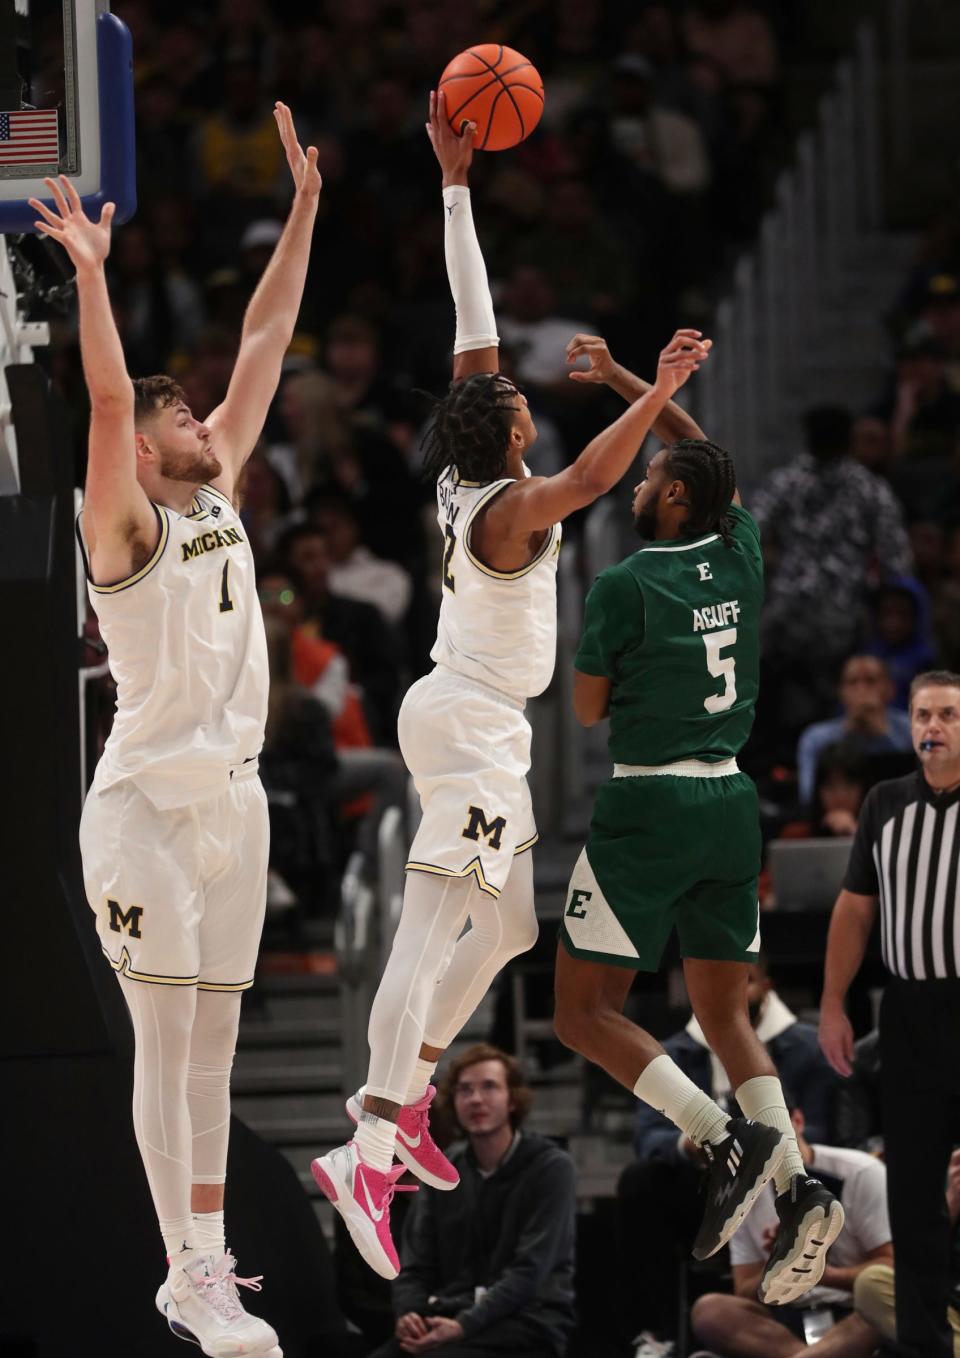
200, 1303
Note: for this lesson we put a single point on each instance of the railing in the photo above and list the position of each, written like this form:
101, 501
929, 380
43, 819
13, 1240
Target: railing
18, 339
826, 207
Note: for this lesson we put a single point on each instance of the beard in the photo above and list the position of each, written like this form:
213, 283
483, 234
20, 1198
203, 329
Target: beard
194, 468
645, 524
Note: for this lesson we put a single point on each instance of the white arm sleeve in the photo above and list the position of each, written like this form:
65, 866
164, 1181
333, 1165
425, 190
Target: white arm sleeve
476, 324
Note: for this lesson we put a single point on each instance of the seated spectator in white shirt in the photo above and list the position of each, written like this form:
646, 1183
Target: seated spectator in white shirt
869, 723
739, 1326
355, 573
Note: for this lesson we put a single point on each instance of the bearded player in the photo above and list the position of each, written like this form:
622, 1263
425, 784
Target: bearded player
462, 728
174, 832
670, 652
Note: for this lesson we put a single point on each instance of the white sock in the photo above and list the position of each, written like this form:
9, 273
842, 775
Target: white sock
179, 1236
208, 1235
419, 1080
375, 1139
663, 1085
761, 1100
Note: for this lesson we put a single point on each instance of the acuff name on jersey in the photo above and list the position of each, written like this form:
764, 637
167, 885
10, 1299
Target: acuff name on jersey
716, 615
210, 542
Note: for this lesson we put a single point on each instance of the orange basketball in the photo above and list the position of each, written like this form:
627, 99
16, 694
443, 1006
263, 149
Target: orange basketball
496, 88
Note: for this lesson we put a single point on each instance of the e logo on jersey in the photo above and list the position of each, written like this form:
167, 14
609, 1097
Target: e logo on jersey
704, 568
478, 824
576, 907
128, 920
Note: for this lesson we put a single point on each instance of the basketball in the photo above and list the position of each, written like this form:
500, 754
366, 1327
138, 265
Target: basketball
496, 88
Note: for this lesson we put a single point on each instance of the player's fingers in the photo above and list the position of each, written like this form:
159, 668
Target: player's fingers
467, 132
58, 197
48, 228
44, 211
106, 216
72, 195
691, 334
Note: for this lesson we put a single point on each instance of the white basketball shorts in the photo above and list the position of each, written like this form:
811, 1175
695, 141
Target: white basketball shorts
468, 750
179, 895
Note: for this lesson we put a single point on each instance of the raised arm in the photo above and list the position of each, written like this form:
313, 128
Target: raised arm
673, 422
536, 502
119, 521
476, 343
270, 318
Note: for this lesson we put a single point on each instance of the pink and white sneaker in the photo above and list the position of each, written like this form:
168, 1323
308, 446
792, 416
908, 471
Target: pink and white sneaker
362, 1195
415, 1146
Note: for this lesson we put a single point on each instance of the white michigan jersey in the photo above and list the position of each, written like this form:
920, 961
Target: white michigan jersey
188, 653
498, 628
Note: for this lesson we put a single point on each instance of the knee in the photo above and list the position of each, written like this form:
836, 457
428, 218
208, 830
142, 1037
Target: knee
522, 935
575, 1027
873, 1298
714, 1318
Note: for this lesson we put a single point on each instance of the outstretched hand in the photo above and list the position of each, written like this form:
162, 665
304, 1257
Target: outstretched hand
682, 356
86, 242
454, 152
306, 176
594, 349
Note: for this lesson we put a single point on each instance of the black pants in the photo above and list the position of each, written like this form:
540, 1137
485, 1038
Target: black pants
920, 1090
660, 1210
513, 1336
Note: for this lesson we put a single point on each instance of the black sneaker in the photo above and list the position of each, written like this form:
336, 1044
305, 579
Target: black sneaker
740, 1167
811, 1218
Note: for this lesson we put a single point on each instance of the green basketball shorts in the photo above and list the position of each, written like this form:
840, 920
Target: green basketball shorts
667, 851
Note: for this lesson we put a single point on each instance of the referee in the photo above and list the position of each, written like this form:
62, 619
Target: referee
905, 857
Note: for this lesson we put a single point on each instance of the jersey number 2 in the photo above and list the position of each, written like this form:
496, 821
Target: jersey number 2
226, 603
449, 580
725, 668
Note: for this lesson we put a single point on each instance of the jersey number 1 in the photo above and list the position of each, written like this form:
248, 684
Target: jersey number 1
725, 668
226, 603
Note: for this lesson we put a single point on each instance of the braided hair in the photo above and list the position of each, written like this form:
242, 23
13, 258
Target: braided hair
470, 429
707, 471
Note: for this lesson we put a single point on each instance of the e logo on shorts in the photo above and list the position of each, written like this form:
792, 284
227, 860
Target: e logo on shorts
577, 897
128, 920
477, 825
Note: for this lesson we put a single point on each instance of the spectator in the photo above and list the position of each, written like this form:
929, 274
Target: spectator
739, 1327
870, 443
869, 723
238, 152
665, 144
829, 527
840, 785
355, 573
901, 634
369, 644
297, 765
265, 504
925, 417
737, 38
536, 335
928, 542
489, 1269
947, 608
663, 1184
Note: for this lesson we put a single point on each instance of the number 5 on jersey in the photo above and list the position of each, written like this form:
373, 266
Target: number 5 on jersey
724, 667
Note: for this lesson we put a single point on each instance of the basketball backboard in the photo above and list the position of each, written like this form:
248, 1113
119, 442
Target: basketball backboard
66, 107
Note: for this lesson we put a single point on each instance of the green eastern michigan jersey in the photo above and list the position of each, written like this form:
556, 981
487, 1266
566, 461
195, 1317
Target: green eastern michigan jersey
676, 628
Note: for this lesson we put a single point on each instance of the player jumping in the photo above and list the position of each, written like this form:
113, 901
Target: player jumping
174, 832
670, 651
462, 727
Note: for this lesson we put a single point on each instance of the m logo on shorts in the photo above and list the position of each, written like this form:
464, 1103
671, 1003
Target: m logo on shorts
128, 920
477, 825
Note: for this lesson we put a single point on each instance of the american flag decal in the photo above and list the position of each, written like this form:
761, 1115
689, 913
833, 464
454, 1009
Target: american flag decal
29, 137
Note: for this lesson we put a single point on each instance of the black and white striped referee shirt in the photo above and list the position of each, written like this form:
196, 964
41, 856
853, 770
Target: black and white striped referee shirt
907, 852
